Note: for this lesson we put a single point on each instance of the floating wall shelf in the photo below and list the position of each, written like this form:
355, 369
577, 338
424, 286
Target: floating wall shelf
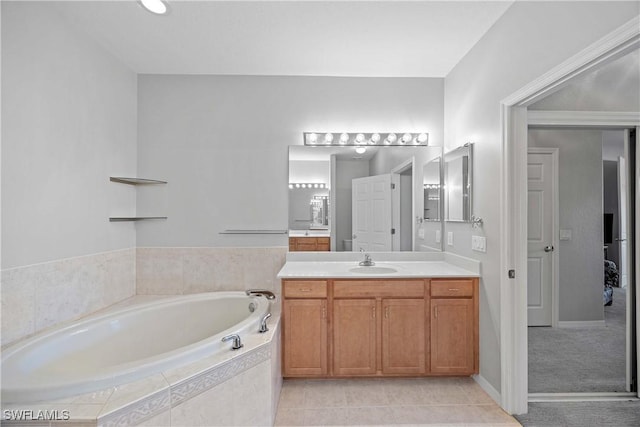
135, 181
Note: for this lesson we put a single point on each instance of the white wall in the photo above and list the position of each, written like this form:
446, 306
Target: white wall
580, 209
527, 41
69, 122
221, 142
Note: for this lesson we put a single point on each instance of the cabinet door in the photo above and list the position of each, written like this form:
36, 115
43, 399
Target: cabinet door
354, 337
403, 336
452, 336
305, 337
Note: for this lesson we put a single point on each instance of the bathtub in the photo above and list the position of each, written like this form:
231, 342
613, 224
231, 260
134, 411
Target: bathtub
126, 344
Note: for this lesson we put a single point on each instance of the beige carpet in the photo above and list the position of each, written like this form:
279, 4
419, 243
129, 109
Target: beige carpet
582, 359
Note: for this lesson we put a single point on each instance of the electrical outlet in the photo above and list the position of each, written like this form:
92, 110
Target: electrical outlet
450, 238
565, 234
421, 233
479, 243
438, 236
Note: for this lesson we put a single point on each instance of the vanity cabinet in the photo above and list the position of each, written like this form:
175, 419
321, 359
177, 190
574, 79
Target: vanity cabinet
454, 327
304, 319
316, 244
380, 327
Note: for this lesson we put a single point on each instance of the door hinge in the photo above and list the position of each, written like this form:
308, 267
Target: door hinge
393, 231
393, 186
512, 274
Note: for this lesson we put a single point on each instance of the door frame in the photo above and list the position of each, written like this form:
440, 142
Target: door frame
555, 229
513, 204
395, 201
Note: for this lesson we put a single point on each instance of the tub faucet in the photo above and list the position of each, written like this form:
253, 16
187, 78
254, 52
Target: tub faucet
237, 343
261, 293
263, 324
367, 261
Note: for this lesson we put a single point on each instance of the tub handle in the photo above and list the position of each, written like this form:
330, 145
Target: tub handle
237, 343
263, 323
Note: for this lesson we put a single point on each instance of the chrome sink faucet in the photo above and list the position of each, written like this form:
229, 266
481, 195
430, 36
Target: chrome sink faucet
367, 261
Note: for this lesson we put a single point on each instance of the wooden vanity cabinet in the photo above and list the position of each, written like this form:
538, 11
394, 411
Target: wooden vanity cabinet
304, 337
454, 326
317, 244
380, 327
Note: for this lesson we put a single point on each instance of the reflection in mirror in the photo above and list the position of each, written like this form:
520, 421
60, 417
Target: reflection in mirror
371, 201
458, 165
432, 188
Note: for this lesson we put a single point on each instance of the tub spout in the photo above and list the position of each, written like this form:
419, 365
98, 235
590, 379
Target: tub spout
263, 323
237, 343
261, 293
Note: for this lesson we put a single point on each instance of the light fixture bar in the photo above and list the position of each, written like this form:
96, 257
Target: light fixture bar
303, 185
318, 139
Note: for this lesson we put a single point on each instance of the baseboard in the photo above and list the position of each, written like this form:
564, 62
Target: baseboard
581, 397
580, 323
488, 388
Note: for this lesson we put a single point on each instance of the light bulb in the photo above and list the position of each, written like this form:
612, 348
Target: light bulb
360, 138
406, 138
297, 185
313, 138
328, 138
422, 138
360, 150
315, 185
375, 138
154, 6
290, 186
391, 138
344, 138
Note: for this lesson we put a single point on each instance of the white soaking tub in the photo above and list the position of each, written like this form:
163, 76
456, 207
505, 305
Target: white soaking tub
127, 344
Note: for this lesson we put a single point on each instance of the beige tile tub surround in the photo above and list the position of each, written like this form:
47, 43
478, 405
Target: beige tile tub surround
388, 401
172, 271
40, 296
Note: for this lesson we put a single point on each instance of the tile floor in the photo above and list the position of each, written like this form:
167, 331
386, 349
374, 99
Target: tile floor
402, 401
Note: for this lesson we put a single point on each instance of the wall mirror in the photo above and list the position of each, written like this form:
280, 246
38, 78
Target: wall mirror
458, 180
370, 201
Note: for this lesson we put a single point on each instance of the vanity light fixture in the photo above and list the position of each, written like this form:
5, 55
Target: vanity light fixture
366, 138
361, 150
159, 7
307, 185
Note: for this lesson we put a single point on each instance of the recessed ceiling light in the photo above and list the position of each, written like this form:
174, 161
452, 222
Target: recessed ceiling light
158, 7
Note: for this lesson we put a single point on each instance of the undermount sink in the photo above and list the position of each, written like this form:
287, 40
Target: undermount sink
373, 270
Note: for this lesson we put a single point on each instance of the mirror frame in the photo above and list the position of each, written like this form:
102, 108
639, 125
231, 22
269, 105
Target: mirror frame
469, 147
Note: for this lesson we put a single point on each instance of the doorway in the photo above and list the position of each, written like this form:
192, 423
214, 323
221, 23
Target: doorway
585, 348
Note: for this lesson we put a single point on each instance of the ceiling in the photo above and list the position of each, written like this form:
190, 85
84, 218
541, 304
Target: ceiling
306, 38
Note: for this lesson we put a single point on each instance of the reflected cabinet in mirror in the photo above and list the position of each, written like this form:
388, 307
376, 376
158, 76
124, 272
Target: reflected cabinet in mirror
376, 200
458, 180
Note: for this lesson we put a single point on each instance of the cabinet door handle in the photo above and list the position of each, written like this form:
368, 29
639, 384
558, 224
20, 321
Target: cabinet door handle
324, 311
304, 290
436, 311
386, 312
454, 289
373, 313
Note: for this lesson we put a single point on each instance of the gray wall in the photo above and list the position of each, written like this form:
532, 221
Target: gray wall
580, 192
221, 142
512, 53
69, 122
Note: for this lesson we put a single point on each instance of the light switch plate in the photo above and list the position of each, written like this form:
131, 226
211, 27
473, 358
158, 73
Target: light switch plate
450, 238
421, 233
565, 234
479, 243
438, 236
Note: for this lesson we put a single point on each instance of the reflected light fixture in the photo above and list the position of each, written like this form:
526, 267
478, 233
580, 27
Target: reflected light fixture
366, 138
307, 185
361, 150
159, 7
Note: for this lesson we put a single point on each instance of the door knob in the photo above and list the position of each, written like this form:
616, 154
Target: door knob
548, 248
621, 240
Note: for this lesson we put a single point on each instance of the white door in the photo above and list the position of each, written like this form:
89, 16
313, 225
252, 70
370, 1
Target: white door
540, 238
371, 213
622, 209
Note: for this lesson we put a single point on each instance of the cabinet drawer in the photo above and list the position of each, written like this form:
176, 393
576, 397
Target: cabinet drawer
452, 288
381, 288
305, 289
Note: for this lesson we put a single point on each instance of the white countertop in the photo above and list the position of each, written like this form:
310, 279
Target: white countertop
309, 233
351, 270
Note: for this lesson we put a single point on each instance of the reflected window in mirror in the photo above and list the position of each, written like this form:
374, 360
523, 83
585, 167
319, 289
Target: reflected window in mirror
458, 177
380, 185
